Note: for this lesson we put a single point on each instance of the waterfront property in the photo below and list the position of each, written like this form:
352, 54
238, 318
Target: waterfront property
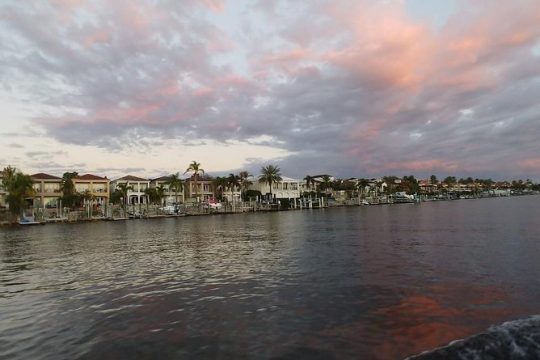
170, 196
200, 189
48, 190
96, 186
287, 188
136, 189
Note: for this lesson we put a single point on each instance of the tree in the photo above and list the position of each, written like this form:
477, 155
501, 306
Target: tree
70, 198
270, 174
326, 183
175, 184
87, 196
450, 180
160, 193
124, 188
409, 184
433, 180
195, 169
244, 182
310, 181
116, 196
18, 186
220, 183
233, 182
151, 193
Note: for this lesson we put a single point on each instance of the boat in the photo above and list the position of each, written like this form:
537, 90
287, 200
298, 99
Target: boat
30, 220
401, 197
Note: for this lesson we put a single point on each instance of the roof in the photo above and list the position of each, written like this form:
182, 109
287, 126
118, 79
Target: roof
203, 177
43, 176
288, 179
90, 177
283, 179
161, 178
131, 178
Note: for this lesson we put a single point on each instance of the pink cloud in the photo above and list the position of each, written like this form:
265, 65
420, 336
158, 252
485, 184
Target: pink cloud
532, 164
101, 36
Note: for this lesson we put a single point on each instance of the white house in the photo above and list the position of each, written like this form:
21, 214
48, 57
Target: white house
287, 188
136, 195
170, 196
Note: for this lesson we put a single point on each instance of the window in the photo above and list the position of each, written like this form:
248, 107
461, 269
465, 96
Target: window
294, 186
82, 187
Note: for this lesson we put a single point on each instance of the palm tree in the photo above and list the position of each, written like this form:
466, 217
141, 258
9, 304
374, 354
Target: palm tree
233, 182
176, 184
220, 183
124, 188
151, 194
195, 169
326, 182
160, 193
18, 186
310, 181
244, 182
70, 198
270, 174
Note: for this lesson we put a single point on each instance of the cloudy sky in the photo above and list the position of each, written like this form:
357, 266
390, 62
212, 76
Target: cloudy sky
350, 88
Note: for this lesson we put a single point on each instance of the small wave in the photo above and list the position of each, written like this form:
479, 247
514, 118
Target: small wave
519, 339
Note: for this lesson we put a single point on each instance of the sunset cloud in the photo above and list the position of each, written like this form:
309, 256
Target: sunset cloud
356, 89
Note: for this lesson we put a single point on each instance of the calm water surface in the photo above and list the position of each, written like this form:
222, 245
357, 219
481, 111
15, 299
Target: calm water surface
383, 282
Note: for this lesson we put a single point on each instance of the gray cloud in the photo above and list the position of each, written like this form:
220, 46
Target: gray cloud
341, 93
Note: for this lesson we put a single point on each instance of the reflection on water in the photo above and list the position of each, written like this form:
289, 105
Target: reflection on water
384, 282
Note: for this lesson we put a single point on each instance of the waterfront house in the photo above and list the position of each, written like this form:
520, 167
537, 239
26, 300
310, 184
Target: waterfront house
169, 196
47, 190
136, 194
427, 187
203, 190
287, 188
96, 186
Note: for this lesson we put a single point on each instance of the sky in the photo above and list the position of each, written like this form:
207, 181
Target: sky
347, 88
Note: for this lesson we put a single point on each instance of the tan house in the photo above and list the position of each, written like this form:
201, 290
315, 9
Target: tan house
204, 190
170, 196
96, 186
137, 194
47, 190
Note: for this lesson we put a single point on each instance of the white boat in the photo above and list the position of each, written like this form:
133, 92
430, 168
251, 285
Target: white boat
401, 197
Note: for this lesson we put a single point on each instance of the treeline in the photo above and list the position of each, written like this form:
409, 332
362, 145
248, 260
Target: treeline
411, 185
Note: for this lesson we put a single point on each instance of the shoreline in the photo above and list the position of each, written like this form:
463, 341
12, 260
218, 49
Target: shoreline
6, 224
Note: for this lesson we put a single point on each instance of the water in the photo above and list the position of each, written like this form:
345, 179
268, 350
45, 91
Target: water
382, 282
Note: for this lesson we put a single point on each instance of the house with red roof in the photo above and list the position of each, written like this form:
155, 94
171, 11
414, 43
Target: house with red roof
96, 186
48, 190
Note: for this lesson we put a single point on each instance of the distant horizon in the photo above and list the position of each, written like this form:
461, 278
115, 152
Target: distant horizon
370, 87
